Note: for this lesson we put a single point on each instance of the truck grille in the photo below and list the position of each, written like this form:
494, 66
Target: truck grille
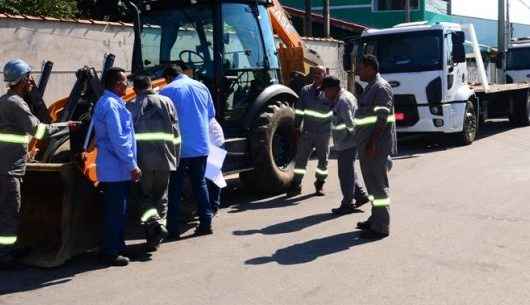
406, 110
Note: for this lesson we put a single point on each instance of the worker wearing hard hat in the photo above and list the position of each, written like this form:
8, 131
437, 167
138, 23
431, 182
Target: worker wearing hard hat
344, 106
18, 126
376, 138
158, 139
313, 115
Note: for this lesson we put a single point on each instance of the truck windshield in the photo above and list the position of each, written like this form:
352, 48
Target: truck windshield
406, 52
187, 34
518, 59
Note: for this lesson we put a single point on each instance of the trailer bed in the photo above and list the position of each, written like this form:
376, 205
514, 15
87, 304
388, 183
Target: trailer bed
497, 88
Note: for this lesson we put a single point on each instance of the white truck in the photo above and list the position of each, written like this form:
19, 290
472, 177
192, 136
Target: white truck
426, 66
518, 61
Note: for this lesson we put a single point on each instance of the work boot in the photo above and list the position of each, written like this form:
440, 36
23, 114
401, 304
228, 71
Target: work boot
155, 233
203, 230
361, 198
319, 186
294, 190
115, 260
365, 225
344, 209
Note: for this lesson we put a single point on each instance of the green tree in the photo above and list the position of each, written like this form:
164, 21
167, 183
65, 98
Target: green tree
51, 8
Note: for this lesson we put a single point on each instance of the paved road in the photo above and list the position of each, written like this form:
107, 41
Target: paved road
460, 235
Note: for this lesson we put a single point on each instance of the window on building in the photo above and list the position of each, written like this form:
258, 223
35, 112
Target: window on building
395, 5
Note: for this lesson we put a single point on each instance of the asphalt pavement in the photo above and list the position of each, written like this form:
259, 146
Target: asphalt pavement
460, 234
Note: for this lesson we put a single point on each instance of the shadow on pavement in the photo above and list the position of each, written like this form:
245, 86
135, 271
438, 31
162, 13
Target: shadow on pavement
311, 250
248, 201
290, 226
27, 278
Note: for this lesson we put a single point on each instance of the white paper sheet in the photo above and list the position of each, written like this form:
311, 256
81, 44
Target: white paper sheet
214, 164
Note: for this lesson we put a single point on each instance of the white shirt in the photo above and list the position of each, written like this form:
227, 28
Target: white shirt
217, 136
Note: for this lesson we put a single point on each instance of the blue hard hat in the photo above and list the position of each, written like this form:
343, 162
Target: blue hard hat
15, 70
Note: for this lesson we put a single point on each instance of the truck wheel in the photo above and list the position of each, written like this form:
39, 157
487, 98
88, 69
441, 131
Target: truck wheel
469, 132
272, 150
521, 110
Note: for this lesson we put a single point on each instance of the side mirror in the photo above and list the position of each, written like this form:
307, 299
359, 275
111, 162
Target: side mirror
459, 51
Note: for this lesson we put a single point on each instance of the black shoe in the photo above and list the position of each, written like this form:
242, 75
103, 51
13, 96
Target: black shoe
172, 237
365, 225
344, 209
319, 186
294, 190
155, 233
362, 201
203, 230
115, 260
373, 235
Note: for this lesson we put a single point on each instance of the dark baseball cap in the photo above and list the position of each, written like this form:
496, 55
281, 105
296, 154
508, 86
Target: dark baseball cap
330, 82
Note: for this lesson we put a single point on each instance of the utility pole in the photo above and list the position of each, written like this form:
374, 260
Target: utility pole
308, 20
449, 8
407, 9
326, 14
501, 41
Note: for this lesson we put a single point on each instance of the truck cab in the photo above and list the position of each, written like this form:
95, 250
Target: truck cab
518, 61
426, 67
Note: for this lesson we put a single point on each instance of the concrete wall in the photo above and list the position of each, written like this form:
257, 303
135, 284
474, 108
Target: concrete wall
70, 45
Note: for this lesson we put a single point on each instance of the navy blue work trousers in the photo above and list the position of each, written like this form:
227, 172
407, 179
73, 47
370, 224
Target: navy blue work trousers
115, 197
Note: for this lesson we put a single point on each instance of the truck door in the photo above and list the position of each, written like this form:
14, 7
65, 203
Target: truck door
455, 65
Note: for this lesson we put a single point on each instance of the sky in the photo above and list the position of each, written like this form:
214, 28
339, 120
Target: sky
519, 13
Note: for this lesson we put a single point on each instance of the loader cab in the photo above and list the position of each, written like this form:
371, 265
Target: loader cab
229, 46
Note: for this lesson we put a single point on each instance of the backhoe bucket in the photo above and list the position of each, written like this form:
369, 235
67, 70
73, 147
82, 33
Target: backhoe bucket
61, 216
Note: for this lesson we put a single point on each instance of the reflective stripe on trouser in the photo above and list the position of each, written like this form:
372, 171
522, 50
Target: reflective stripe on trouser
9, 212
348, 179
308, 142
375, 177
153, 196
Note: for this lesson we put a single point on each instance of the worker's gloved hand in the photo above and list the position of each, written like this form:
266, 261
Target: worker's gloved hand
136, 174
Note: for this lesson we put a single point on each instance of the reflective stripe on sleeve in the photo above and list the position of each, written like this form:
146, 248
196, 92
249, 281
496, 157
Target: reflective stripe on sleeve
299, 112
41, 131
372, 120
378, 108
149, 214
13, 138
157, 136
8, 240
342, 127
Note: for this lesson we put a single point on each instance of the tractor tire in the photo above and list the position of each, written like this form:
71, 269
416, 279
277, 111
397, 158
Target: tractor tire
470, 129
272, 144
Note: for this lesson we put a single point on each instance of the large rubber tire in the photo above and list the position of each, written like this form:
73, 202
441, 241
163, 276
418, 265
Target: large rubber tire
470, 129
272, 150
520, 115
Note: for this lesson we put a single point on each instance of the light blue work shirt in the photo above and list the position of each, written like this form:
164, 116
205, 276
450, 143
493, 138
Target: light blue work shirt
115, 139
195, 108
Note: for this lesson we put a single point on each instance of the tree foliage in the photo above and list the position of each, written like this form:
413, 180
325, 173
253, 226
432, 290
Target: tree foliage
51, 8
112, 10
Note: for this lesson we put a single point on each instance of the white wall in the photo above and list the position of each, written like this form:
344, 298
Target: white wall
70, 45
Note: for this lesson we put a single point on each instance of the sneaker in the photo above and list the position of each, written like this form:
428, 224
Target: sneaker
294, 190
372, 235
344, 209
203, 230
319, 186
115, 260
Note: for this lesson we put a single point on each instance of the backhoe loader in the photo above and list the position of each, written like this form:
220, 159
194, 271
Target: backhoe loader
231, 48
